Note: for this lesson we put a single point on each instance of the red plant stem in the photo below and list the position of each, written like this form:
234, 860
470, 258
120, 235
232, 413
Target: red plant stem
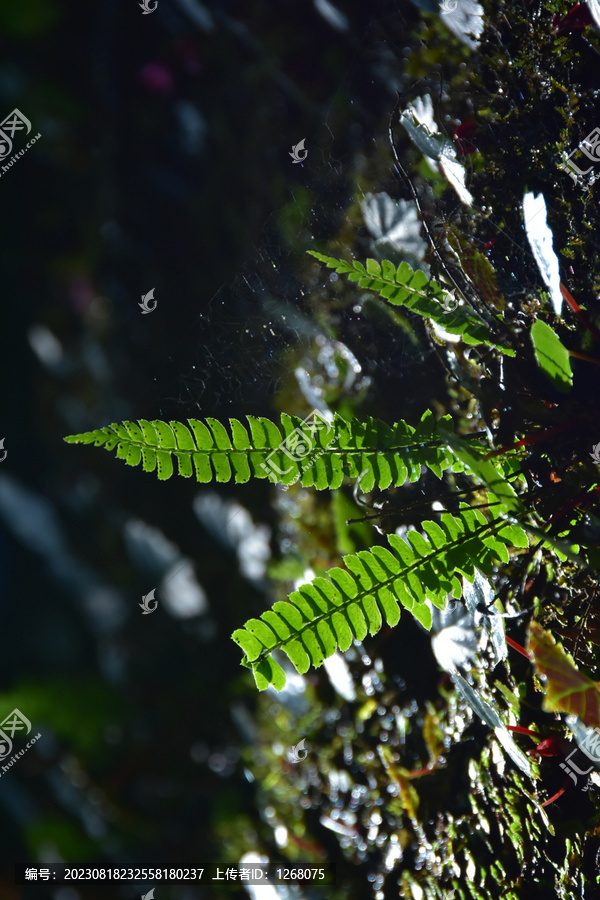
417, 773
520, 730
518, 647
557, 795
307, 845
580, 313
584, 356
532, 439
573, 503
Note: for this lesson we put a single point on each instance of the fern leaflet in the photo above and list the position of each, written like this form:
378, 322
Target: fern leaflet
348, 603
316, 456
403, 286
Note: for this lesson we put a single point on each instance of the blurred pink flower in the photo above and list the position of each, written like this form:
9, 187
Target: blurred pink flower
156, 77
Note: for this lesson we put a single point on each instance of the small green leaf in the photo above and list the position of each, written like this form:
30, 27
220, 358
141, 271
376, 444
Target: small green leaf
552, 356
248, 642
373, 267
514, 534
267, 672
422, 613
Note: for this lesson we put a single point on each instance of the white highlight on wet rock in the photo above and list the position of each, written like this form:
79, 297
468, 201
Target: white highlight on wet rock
45, 345
465, 19
422, 129
231, 524
594, 8
396, 227
540, 239
154, 553
332, 15
339, 674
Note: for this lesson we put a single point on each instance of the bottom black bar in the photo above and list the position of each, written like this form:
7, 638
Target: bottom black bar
253, 873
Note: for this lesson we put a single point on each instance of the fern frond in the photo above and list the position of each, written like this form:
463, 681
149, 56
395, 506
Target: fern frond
493, 475
403, 286
318, 456
348, 603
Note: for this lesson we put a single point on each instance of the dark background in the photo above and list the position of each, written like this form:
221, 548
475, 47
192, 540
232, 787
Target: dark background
163, 163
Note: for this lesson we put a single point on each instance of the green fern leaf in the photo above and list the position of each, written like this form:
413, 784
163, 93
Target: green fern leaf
413, 289
319, 456
492, 475
327, 614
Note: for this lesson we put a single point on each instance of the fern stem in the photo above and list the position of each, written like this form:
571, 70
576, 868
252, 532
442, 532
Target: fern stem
519, 729
571, 504
580, 313
403, 509
493, 319
534, 438
519, 648
418, 504
585, 357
